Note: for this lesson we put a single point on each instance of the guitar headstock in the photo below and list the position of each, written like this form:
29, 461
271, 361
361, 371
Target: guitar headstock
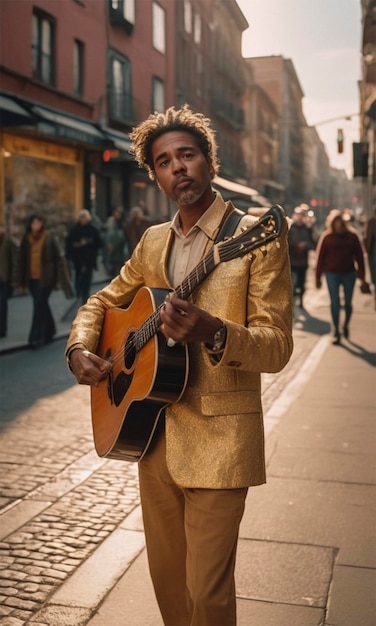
267, 228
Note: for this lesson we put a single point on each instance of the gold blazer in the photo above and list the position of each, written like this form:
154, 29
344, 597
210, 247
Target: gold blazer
214, 434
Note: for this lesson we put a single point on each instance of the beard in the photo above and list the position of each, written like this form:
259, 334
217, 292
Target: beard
185, 197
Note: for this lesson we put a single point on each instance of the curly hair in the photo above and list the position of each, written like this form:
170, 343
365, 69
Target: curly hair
183, 119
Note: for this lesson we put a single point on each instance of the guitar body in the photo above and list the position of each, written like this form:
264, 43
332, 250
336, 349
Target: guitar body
126, 406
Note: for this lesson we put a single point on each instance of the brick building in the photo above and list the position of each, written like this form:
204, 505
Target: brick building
75, 77
278, 78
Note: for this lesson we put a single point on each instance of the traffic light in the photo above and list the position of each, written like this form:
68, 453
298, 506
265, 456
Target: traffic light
360, 157
110, 154
340, 140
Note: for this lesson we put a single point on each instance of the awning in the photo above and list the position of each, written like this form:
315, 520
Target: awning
119, 140
46, 120
13, 114
274, 185
237, 188
261, 201
246, 196
52, 122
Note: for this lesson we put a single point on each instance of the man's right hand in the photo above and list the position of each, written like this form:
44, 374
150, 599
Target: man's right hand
88, 368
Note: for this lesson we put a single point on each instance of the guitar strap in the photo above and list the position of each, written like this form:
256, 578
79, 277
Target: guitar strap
230, 225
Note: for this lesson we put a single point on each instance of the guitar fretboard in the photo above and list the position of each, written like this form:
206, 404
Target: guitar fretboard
255, 236
151, 325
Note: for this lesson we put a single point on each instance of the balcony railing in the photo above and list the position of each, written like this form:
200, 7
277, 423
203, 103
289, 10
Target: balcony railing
126, 110
226, 109
117, 19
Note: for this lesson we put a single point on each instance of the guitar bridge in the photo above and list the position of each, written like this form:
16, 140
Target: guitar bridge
110, 380
110, 386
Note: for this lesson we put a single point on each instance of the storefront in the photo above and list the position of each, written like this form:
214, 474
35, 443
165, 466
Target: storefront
52, 163
242, 196
39, 177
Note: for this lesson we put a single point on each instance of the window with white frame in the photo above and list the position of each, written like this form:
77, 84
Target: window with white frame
43, 47
159, 28
158, 103
78, 67
187, 16
120, 94
197, 29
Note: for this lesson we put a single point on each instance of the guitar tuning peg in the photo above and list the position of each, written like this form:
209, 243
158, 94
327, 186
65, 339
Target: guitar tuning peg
263, 250
277, 243
243, 229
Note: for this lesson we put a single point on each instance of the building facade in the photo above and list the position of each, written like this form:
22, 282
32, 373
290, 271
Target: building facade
278, 78
210, 75
365, 151
76, 76
261, 140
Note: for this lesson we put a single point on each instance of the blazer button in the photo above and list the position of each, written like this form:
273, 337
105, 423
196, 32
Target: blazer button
234, 363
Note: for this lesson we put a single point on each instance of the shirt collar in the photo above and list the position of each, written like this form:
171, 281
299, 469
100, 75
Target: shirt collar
208, 221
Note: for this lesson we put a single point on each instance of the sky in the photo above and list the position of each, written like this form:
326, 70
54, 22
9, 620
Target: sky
322, 38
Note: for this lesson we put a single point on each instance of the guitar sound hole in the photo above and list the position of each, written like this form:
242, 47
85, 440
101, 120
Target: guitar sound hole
120, 387
129, 352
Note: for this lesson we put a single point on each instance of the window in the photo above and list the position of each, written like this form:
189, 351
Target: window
158, 96
187, 16
197, 29
78, 68
159, 39
120, 95
43, 48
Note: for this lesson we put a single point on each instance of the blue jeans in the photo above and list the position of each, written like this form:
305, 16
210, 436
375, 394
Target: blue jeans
334, 282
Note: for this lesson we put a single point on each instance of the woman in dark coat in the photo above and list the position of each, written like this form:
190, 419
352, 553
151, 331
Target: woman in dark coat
38, 272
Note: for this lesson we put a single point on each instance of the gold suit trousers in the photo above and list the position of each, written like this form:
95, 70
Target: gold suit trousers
191, 538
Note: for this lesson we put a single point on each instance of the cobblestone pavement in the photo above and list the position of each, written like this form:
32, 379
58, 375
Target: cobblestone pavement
58, 500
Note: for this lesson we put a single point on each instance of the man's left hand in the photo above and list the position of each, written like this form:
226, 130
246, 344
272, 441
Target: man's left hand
185, 322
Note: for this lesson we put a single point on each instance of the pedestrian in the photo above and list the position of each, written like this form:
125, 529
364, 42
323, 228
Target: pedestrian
208, 447
7, 268
370, 245
300, 241
115, 242
82, 246
340, 258
136, 225
38, 271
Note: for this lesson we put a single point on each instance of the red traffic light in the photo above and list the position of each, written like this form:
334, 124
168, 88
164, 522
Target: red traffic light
340, 140
110, 154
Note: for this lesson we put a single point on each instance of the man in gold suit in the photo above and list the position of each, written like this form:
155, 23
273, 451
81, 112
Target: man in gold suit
208, 447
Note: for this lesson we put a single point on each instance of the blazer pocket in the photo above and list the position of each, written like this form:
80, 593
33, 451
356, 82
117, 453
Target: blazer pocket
231, 403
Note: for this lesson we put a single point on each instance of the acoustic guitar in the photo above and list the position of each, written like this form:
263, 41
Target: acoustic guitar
147, 375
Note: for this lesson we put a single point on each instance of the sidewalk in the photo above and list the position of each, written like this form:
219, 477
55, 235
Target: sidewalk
307, 547
63, 310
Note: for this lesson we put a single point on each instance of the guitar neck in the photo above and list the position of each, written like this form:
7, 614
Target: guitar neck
196, 276
151, 325
266, 229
